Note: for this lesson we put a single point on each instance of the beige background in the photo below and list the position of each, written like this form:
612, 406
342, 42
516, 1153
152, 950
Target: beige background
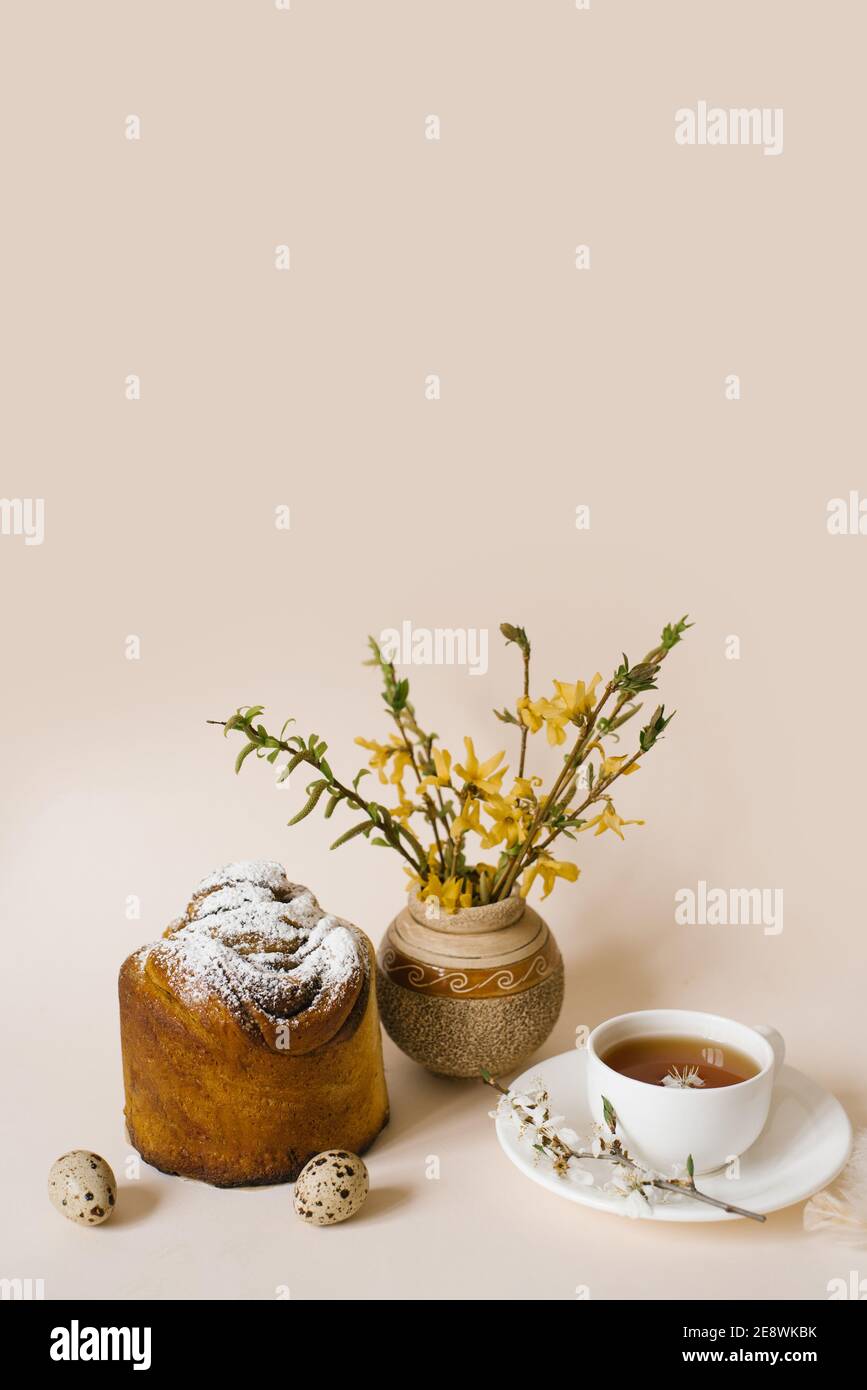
305, 388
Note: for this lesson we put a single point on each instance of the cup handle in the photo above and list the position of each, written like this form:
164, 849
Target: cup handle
776, 1040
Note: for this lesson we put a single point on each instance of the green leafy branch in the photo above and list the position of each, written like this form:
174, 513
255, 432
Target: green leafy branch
311, 753
523, 823
551, 815
417, 744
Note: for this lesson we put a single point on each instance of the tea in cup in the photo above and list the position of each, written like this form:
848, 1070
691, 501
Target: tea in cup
683, 1083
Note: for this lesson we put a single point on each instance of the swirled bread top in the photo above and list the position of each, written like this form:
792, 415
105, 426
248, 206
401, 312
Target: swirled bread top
260, 949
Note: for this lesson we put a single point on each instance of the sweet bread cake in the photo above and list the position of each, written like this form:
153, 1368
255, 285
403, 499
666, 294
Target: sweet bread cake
250, 1034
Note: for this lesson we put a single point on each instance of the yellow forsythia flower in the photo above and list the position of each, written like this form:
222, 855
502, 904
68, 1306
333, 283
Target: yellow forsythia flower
450, 895
443, 763
611, 765
548, 870
404, 808
570, 704
508, 824
529, 713
381, 754
468, 819
524, 788
578, 699
556, 718
609, 820
483, 775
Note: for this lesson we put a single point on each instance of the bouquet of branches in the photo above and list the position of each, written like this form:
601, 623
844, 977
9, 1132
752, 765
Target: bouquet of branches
450, 800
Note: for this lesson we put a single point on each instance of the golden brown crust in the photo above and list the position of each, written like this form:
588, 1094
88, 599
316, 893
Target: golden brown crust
223, 1081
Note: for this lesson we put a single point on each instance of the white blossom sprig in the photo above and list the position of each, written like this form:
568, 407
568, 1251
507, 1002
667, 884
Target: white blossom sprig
631, 1180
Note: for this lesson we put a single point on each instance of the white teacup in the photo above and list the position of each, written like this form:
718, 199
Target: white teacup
663, 1125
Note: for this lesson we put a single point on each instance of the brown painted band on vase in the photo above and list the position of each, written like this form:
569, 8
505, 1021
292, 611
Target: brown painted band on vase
463, 982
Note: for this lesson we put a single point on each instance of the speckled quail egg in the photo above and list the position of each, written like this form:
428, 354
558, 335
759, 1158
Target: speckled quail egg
82, 1186
331, 1188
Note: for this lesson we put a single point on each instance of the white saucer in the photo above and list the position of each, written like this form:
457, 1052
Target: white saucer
802, 1148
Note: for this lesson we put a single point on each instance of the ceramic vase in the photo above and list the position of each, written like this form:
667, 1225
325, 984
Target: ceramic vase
482, 987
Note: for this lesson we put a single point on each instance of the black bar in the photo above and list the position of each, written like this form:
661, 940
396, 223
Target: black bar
621, 1337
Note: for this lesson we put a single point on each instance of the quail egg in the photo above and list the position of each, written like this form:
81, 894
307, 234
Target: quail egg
82, 1186
331, 1188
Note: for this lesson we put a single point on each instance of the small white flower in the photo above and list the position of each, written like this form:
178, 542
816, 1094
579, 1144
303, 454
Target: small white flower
579, 1175
554, 1122
628, 1184
534, 1095
621, 1182
600, 1140
571, 1138
678, 1174
685, 1078
635, 1205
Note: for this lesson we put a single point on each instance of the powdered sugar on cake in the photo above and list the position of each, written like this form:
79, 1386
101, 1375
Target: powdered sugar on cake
259, 873
262, 947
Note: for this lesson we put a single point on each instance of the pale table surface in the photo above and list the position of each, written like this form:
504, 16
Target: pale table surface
478, 1230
